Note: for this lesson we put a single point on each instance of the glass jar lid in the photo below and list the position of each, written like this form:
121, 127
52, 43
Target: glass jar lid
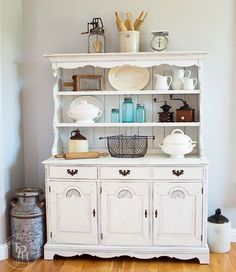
128, 99
115, 110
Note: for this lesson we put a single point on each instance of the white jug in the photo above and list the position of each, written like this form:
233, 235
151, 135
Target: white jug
162, 82
178, 81
189, 83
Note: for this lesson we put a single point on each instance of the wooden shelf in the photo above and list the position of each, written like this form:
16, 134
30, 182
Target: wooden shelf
143, 92
176, 124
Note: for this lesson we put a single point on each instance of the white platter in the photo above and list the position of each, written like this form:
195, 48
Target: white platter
130, 78
91, 100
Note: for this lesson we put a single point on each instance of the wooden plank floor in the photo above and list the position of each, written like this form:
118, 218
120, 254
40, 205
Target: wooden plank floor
219, 263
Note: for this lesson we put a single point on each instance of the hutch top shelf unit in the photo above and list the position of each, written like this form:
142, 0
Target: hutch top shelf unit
66, 65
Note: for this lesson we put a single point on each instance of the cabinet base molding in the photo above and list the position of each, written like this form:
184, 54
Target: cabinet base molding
183, 253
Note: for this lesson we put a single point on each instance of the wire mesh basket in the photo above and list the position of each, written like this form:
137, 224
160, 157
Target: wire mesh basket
127, 146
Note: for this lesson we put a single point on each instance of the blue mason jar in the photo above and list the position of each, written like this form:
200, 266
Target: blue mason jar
128, 110
140, 113
115, 116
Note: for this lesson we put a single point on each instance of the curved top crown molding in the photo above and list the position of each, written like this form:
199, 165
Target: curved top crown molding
142, 59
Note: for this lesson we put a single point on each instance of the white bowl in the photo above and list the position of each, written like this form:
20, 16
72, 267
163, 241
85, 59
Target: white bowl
177, 151
84, 115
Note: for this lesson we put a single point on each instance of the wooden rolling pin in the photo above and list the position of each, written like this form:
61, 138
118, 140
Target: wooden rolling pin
139, 21
128, 22
81, 155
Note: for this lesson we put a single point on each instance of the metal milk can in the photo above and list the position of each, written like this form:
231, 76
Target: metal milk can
27, 224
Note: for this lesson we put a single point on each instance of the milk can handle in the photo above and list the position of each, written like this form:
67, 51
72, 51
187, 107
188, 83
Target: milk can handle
14, 202
41, 203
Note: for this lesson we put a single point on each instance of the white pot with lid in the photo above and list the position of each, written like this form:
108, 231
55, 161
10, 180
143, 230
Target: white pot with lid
218, 233
84, 112
77, 142
177, 144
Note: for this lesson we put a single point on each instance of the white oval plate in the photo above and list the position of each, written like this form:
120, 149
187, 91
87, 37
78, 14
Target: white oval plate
90, 100
130, 78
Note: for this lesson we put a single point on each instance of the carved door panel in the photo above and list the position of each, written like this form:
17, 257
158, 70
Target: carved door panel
178, 214
73, 212
125, 213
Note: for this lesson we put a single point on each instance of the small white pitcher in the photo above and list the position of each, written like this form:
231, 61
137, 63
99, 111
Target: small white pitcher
178, 81
180, 73
162, 82
189, 83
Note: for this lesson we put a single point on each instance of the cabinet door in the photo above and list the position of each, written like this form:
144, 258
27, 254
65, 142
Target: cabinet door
73, 212
125, 213
177, 214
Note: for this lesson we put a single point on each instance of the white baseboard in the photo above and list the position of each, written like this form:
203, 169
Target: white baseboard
4, 252
233, 235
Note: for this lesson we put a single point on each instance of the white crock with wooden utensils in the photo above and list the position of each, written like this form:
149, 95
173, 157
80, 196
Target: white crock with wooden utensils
162, 82
129, 41
77, 142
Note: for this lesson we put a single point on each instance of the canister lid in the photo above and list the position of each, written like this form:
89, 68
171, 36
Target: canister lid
218, 218
75, 135
29, 192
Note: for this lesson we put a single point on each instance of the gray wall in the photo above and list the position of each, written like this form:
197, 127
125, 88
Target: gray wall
11, 140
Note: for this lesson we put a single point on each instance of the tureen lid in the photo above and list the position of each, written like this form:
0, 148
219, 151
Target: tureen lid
83, 104
177, 137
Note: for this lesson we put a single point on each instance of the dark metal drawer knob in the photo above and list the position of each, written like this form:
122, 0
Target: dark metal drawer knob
124, 172
72, 172
177, 173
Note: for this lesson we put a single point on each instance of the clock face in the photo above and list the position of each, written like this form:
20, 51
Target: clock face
159, 42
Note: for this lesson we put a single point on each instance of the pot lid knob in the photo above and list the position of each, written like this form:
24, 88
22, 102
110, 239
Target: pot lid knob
218, 218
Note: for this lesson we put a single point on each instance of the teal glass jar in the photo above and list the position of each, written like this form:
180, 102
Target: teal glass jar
128, 110
140, 113
115, 116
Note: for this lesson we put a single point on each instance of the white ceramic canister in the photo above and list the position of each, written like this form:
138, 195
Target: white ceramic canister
77, 142
129, 41
218, 233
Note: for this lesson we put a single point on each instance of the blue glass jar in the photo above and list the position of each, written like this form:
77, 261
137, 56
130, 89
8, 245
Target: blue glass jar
140, 113
115, 116
128, 110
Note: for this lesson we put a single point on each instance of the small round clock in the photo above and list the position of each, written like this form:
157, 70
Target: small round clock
159, 41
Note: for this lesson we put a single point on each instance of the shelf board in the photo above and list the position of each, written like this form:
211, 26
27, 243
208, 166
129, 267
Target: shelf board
143, 92
176, 124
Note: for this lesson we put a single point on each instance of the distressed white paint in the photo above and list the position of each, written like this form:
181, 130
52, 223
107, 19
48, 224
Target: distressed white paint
126, 210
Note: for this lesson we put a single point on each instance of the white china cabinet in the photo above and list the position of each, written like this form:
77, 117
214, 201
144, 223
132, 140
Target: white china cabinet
141, 207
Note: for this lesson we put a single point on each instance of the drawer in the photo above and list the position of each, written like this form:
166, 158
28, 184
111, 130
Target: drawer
124, 172
178, 173
73, 172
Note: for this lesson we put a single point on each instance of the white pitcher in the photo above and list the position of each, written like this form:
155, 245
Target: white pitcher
162, 82
189, 83
178, 81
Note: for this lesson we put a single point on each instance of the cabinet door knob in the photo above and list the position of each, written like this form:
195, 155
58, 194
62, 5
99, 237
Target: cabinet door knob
94, 213
145, 213
124, 172
156, 213
72, 172
177, 173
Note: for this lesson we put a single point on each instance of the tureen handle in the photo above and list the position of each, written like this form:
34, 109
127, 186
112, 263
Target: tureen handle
177, 130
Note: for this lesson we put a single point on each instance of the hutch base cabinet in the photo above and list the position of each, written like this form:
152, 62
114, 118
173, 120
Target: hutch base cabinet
140, 207
110, 207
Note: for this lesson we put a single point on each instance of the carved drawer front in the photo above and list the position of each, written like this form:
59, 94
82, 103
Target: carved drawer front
125, 172
73, 172
178, 173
